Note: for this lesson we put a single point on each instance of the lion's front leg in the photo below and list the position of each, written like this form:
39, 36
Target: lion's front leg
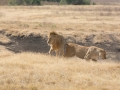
51, 51
57, 53
61, 52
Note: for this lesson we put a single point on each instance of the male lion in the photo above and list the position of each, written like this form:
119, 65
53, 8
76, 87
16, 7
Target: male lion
84, 52
56, 43
94, 53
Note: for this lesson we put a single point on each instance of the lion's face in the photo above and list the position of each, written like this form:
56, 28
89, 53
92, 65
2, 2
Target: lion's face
103, 54
51, 39
56, 43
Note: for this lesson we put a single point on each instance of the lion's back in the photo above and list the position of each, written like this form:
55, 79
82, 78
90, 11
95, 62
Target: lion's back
75, 49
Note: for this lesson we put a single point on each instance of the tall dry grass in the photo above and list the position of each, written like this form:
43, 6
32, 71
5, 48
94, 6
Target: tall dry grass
20, 20
35, 71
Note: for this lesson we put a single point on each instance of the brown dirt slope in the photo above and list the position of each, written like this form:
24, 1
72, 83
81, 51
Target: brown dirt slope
32, 43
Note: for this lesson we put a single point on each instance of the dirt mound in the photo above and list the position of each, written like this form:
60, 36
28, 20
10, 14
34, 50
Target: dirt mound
32, 43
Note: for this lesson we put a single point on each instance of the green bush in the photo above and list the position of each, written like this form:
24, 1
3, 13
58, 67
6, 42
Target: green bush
76, 2
25, 2
63, 2
35, 2
86, 2
12, 2
94, 3
52, 0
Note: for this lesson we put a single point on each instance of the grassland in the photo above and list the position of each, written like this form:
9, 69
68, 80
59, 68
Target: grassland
34, 71
38, 71
26, 20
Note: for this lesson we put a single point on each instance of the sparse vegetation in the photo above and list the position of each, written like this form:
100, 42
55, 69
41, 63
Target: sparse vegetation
34, 71
54, 2
63, 2
75, 2
28, 70
24, 2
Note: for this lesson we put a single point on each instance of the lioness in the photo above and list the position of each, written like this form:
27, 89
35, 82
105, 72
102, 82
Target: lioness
73, 49
84, 52
56, 43
94, 53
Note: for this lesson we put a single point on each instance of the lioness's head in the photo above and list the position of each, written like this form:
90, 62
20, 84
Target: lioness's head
51, 37
102, 54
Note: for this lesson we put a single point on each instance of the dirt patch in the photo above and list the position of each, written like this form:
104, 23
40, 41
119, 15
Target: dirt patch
28, 44
32, 43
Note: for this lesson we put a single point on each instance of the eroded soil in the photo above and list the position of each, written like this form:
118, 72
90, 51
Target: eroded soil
38, 44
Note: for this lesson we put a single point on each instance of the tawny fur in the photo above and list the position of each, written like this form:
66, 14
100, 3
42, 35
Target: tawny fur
94, 53
84, 52
73, 49
56, 43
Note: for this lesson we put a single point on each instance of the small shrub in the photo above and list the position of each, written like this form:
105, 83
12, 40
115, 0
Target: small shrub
63, 2
86, 2
24, 2
75, 2
94, 3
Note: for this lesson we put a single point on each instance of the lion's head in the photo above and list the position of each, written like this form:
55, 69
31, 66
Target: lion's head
94, 53
56, 42
102, 53
52, 38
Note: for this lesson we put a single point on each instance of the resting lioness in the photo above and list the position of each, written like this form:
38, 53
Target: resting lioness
84, 52
73, 49
94, 53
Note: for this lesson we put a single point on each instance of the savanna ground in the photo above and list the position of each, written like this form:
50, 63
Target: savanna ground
24, 64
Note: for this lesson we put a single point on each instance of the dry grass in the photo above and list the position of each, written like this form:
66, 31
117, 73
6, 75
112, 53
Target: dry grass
81, 19
35, 71
4, 39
